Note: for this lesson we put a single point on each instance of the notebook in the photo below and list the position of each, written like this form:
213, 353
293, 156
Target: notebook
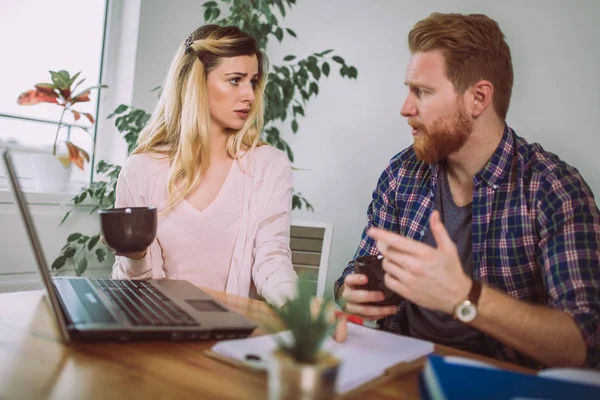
365, 355
444, 379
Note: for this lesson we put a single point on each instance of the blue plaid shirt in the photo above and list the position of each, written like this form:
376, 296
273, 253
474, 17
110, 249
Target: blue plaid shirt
536, 232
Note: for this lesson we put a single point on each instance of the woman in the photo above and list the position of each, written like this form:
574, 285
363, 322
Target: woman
224, 198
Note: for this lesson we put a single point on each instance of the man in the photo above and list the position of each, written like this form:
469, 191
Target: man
492, 242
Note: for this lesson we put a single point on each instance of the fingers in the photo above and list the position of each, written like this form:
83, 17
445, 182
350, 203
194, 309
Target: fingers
387, 240
370, 312
401, 264
353, 280
443, 240
341, 329
352, 295
397, 285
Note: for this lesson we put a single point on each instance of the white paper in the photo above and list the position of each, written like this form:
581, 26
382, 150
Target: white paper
365, 355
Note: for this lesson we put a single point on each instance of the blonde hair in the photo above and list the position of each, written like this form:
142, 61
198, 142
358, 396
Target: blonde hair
180, 123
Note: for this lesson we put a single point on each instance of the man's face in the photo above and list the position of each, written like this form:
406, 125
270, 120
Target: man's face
440, 122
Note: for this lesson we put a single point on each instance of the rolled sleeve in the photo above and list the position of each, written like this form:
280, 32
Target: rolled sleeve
570, 250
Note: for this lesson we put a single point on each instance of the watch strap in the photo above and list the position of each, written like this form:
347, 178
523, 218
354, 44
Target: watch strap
475, 293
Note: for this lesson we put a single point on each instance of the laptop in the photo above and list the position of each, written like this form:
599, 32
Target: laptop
88, 309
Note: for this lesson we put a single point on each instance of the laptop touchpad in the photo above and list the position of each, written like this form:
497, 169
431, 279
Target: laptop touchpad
206, 305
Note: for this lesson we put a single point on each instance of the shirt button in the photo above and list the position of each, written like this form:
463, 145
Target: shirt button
422, 233
495, 187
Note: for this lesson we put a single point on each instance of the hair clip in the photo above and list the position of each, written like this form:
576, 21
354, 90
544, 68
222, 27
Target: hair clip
188, 44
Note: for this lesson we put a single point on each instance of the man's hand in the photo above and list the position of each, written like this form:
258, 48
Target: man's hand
427, 276
354, 299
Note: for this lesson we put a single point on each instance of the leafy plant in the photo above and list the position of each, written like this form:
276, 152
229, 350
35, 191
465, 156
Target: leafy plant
101, 194
60, 92
310, 322
290, 85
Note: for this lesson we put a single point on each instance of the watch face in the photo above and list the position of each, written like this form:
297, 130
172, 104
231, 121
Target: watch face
466, 312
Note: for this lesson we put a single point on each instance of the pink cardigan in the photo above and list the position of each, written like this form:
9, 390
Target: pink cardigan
261, 264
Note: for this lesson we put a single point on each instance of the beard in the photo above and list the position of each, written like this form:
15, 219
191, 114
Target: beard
445, 136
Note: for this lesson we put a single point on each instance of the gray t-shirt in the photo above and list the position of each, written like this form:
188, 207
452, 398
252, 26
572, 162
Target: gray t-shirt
436, 326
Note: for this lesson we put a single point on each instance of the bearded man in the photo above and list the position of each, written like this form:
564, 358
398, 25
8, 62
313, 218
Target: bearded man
492, 243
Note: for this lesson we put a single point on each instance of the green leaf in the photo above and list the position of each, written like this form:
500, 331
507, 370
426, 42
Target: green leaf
289, 58
65, 218
207, 14
59, 262
83, 239
352, 72
69, 252
93, 241
119, 110
298, 110
74, 77
325, 52
338, 59
74, 236
101, 255
278, 34
314, 70
210, 4
296, 203
325, 68
294, 126
291, 32
81, 267
314, 88
215, 13
58, 80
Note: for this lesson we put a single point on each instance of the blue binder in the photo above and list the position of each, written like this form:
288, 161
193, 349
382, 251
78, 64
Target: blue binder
441, 380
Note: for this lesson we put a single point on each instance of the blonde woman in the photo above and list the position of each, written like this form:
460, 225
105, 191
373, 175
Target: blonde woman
224, 198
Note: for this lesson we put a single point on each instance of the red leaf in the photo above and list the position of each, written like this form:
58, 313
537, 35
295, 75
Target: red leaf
82, 97
33, 96
76, 114
89, 117
74, 154
66, 94
45, 87
84, 154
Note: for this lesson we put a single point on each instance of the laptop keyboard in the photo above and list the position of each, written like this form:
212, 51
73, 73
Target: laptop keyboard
144, 304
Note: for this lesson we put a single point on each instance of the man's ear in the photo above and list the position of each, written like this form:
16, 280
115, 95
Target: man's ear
480, 96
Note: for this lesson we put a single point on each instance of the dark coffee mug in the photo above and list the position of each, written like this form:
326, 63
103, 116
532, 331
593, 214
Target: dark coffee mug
372, 267
128, 229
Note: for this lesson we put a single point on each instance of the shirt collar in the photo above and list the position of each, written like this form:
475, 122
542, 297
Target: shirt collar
497, 165
499, 162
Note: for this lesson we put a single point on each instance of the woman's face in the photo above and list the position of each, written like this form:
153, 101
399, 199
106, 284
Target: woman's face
231, 91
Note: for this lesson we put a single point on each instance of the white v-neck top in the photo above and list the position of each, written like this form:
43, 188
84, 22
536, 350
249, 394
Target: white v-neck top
240, 243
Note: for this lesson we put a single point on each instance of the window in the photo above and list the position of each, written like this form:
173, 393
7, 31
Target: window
39, 36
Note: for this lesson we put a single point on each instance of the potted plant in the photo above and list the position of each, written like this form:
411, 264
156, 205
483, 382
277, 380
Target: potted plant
300, 368
52, 171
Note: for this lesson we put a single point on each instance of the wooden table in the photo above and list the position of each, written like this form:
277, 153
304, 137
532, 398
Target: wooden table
34, 364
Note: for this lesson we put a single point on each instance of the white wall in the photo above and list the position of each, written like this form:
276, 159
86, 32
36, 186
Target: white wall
353, 127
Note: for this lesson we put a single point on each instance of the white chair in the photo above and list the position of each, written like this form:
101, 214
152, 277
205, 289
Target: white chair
310, 243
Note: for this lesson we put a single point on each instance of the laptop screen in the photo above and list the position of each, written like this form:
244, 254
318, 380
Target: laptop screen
42, 265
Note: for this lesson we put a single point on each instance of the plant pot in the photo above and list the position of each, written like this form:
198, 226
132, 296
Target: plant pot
289, 379
50, 174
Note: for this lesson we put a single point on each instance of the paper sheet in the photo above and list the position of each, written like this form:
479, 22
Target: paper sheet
365, 355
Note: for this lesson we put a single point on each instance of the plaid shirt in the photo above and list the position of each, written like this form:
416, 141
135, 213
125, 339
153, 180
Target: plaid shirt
536, 232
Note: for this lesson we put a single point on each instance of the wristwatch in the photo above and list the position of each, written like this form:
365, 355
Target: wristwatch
466, 310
